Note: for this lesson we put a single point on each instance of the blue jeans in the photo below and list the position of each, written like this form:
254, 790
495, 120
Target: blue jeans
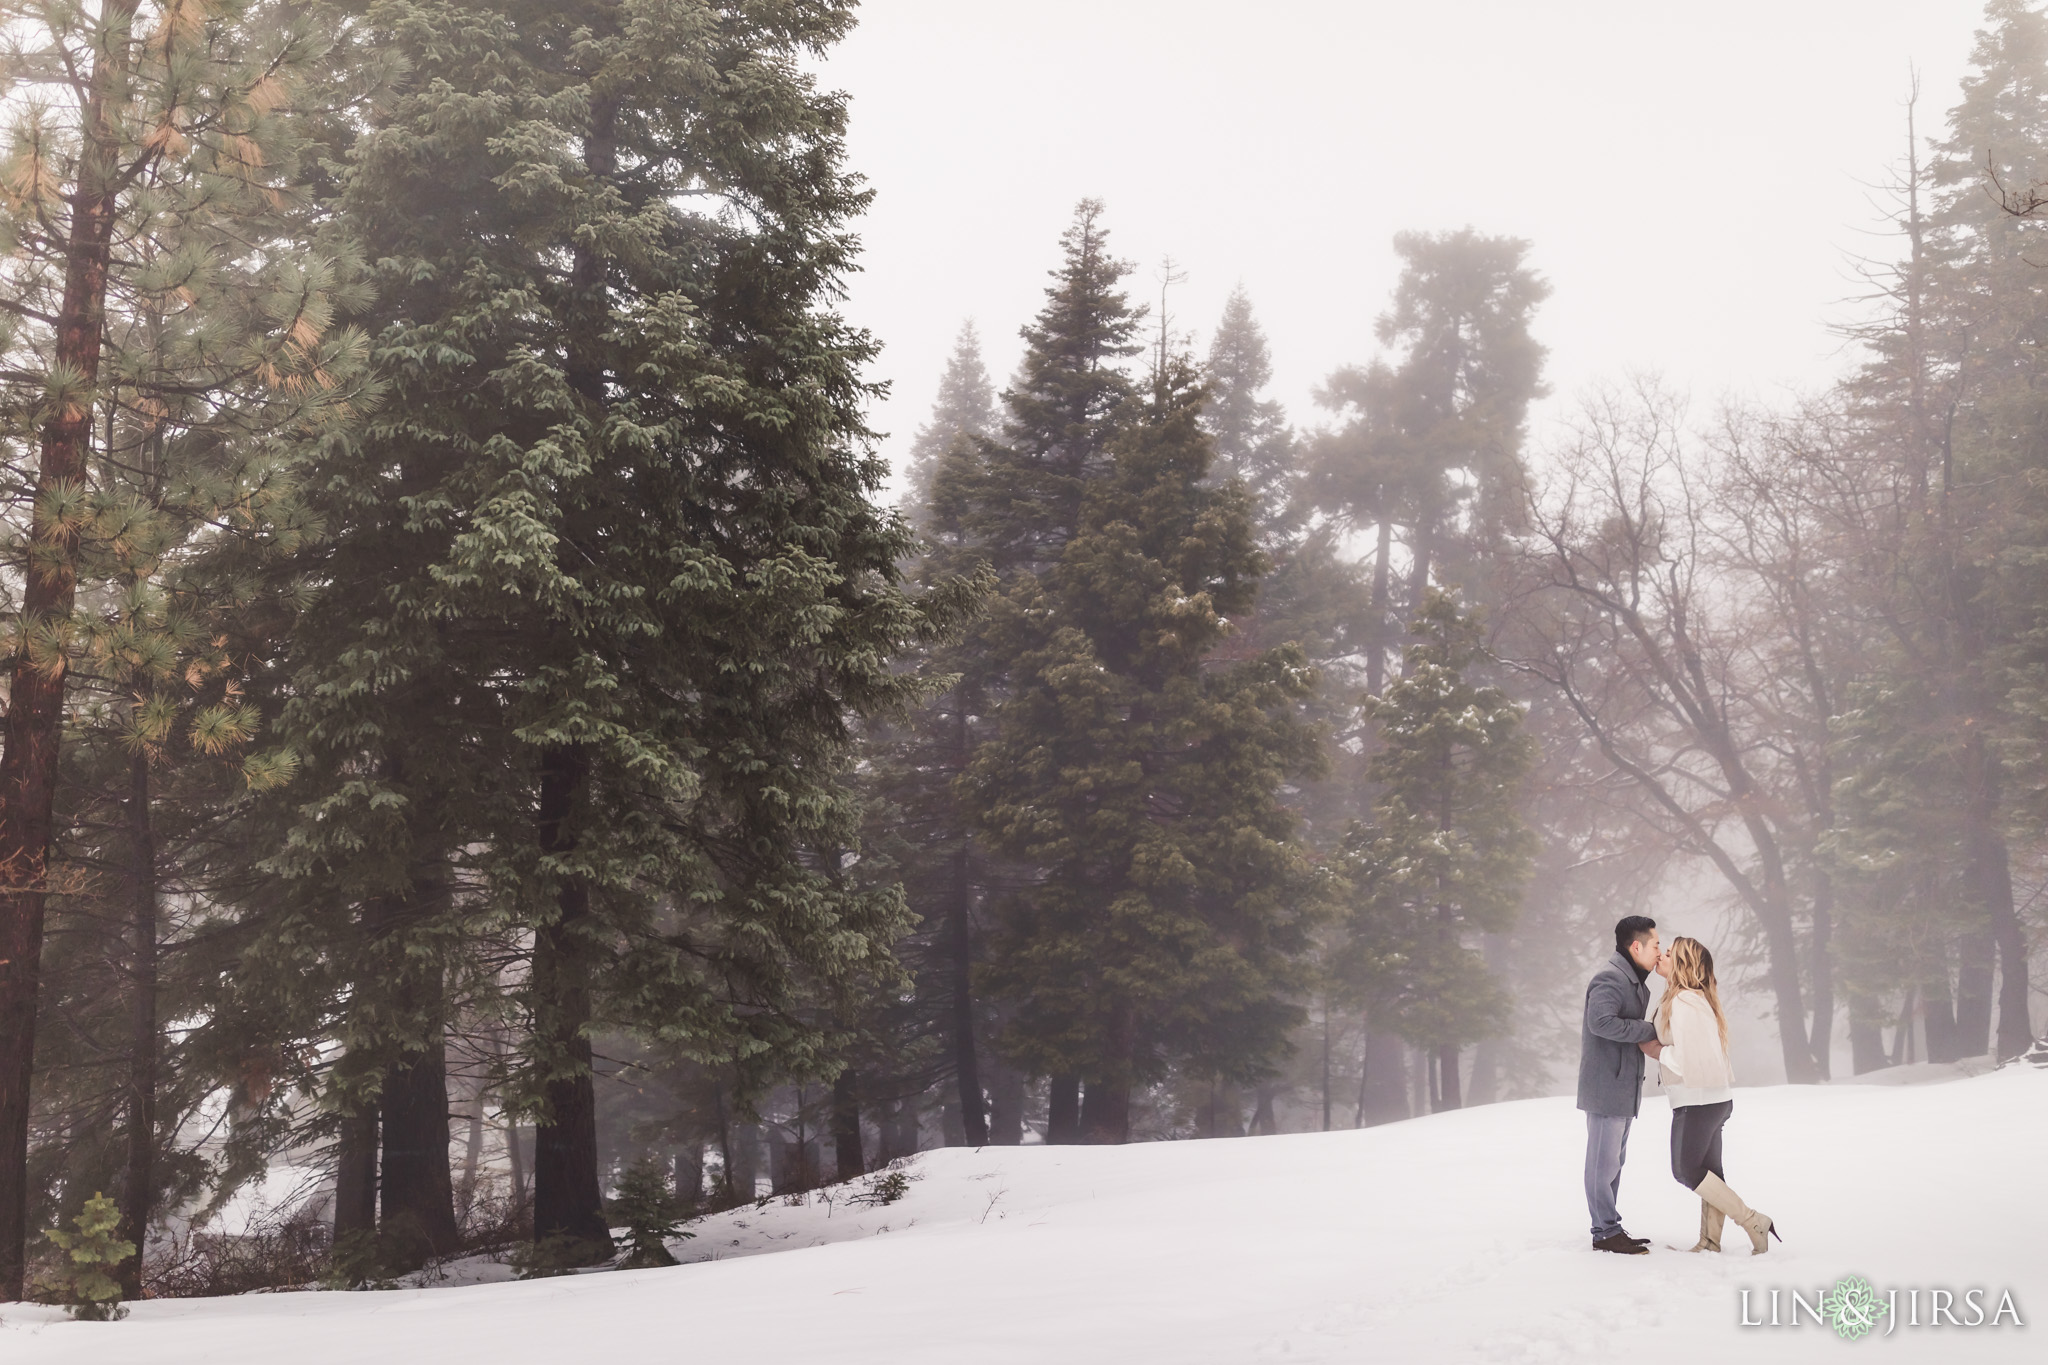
1606, 1149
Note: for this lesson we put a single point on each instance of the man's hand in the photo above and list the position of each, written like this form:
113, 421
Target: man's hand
1652, 1048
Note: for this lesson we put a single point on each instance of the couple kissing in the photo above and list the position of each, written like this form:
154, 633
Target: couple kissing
1689, 1040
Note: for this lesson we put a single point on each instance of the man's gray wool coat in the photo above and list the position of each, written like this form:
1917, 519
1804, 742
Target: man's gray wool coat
1610, 1063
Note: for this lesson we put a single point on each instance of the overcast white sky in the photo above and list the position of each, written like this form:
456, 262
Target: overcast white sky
1695, 178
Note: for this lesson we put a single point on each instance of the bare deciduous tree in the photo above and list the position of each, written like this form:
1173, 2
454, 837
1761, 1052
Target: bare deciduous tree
1629, 608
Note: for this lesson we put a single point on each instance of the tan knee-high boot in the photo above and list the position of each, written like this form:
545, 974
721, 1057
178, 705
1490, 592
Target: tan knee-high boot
1758, 1225
1710, 1229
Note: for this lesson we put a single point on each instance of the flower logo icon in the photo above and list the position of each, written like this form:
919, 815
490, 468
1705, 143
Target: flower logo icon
1852, 1307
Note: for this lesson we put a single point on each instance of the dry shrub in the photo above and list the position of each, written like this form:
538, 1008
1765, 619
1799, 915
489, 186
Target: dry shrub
285, 1252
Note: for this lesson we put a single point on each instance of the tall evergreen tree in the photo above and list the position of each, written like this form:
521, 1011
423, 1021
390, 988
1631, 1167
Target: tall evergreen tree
1431, 452
1253, 443
964, 409
2001, 124
1312, 596
158, 330
1172, 900
1005, 508
605, 565
1445, 854
1952, 410
1019, 500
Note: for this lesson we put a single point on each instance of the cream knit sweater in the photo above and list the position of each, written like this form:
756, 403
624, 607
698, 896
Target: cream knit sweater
1694, 1067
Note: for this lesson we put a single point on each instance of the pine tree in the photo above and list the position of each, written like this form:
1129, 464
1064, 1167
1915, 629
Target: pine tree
965, 408
165, 317
1991, 589
1445, 854
1952, 412
1432, 450
605, 583
1019, 501
1253, 443
90, 1256
917, 821
1171, 900
649, 1211
915, 762
1312, 596
1001, 510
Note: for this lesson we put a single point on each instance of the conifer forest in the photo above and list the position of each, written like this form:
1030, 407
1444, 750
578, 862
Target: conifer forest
501, 747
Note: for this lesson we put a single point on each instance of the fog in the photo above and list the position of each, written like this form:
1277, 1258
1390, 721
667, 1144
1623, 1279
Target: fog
1697, 181
1700, 187
486, 767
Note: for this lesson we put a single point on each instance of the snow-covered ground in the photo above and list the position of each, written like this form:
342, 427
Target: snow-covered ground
1460, 1236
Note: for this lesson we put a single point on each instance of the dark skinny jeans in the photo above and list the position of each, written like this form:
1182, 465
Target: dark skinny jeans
1696, 1141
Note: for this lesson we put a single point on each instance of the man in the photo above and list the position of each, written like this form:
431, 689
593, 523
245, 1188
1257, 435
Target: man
1613, 1040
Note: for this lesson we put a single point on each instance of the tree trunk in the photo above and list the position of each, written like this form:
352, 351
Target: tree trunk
1106, 1104
1106, 1112
689, 1177
35, 707
1485, 1087
138, 1183
1419, 566
515, 1148
355, 1175
1063, 1111
899, 1130
567, 1200
519, 1160
415, 1187
1866, 1037
1821, 1043
846, 1153
960, 943
1772, 906
743, 1162
472, 1153
1365, 1038
1383, 1087
1990, 874
1229, 1117
2015, 1019
1376, 643
1006, 1105
416, 1193
1976, 971
1450, 1095
1264, 1122
1938, 1019
1326, 1066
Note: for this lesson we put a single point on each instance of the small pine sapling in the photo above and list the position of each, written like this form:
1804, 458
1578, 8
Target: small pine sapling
85, 1278
883, 1189
649, 1212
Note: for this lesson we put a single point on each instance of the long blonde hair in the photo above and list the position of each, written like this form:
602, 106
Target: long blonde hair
1692, 969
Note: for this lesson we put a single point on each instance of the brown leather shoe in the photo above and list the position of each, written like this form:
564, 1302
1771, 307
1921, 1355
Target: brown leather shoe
1621, 1244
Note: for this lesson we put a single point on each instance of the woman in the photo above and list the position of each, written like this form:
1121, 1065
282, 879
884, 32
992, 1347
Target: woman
1694, 1068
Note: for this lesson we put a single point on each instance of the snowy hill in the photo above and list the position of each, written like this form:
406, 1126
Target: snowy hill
1460, 1236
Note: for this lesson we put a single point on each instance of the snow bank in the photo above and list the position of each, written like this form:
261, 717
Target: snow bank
1460, 1236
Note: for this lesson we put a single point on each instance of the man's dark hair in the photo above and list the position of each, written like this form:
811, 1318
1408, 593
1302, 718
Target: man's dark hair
1631, 928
